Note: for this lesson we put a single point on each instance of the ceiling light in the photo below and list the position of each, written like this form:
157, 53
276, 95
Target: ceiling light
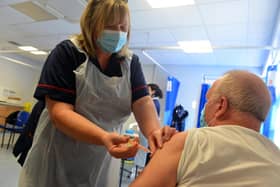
35, 10
38, 52
28, 48
169, 3
199, 46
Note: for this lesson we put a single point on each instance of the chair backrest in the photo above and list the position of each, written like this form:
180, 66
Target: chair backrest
22, 118
12, 118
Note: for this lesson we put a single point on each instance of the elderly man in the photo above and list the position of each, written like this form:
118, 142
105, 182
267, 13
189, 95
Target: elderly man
229, 152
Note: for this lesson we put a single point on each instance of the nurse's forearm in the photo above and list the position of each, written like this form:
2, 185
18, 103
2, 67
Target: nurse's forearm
146, 115
79, 128
73, 124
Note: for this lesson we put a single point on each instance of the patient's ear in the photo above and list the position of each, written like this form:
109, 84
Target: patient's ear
223, 107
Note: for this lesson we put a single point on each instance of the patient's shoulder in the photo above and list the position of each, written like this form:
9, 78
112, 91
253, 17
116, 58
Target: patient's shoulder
176, 143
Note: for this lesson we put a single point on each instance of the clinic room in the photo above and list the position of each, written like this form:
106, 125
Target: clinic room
140, 93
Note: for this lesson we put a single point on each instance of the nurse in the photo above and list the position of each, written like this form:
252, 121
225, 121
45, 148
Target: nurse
91, 83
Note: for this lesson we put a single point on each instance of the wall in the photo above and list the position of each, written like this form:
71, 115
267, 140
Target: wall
190, 78
20, 78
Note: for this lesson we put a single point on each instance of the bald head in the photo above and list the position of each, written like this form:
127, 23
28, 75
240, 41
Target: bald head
245, 92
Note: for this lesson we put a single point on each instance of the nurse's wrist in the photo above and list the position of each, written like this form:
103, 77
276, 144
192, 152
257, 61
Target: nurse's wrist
104, 138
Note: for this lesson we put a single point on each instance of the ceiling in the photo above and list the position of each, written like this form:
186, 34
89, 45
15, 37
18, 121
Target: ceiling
240, 31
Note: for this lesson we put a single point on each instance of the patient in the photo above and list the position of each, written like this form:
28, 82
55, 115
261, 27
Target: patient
229, 152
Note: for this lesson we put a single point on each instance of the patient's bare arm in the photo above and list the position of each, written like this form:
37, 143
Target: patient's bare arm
162, 168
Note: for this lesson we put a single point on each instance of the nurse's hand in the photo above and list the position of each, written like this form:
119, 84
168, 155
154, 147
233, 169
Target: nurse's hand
159, 136
120, 146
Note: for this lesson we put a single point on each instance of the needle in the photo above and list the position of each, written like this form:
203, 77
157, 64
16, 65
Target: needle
143, 148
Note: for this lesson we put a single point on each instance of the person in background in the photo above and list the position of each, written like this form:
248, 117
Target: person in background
230, 151
91, 83
156, 94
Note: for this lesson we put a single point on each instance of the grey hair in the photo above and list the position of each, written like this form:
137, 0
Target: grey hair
245, 92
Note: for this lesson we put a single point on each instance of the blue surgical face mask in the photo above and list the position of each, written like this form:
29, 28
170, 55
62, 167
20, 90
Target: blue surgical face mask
203, 122
112, 41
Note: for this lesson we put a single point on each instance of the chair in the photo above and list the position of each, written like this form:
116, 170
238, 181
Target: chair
14, 123
9, 122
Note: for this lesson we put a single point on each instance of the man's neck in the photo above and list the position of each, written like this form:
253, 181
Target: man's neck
242, 119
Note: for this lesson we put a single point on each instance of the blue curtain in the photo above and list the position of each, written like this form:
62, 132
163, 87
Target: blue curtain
202, 101
171, 95
268, 125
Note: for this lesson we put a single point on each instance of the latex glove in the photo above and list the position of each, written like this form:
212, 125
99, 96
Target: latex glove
159, 136
120, 146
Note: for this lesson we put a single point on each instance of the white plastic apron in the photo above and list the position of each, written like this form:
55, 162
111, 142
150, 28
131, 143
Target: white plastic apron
57, 160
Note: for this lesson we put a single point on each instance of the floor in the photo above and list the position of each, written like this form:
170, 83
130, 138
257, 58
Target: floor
10, 169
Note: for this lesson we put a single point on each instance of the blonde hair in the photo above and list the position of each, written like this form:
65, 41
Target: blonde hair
245, 92
96, 15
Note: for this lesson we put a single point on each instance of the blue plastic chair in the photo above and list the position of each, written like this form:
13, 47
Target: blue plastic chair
16, 127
